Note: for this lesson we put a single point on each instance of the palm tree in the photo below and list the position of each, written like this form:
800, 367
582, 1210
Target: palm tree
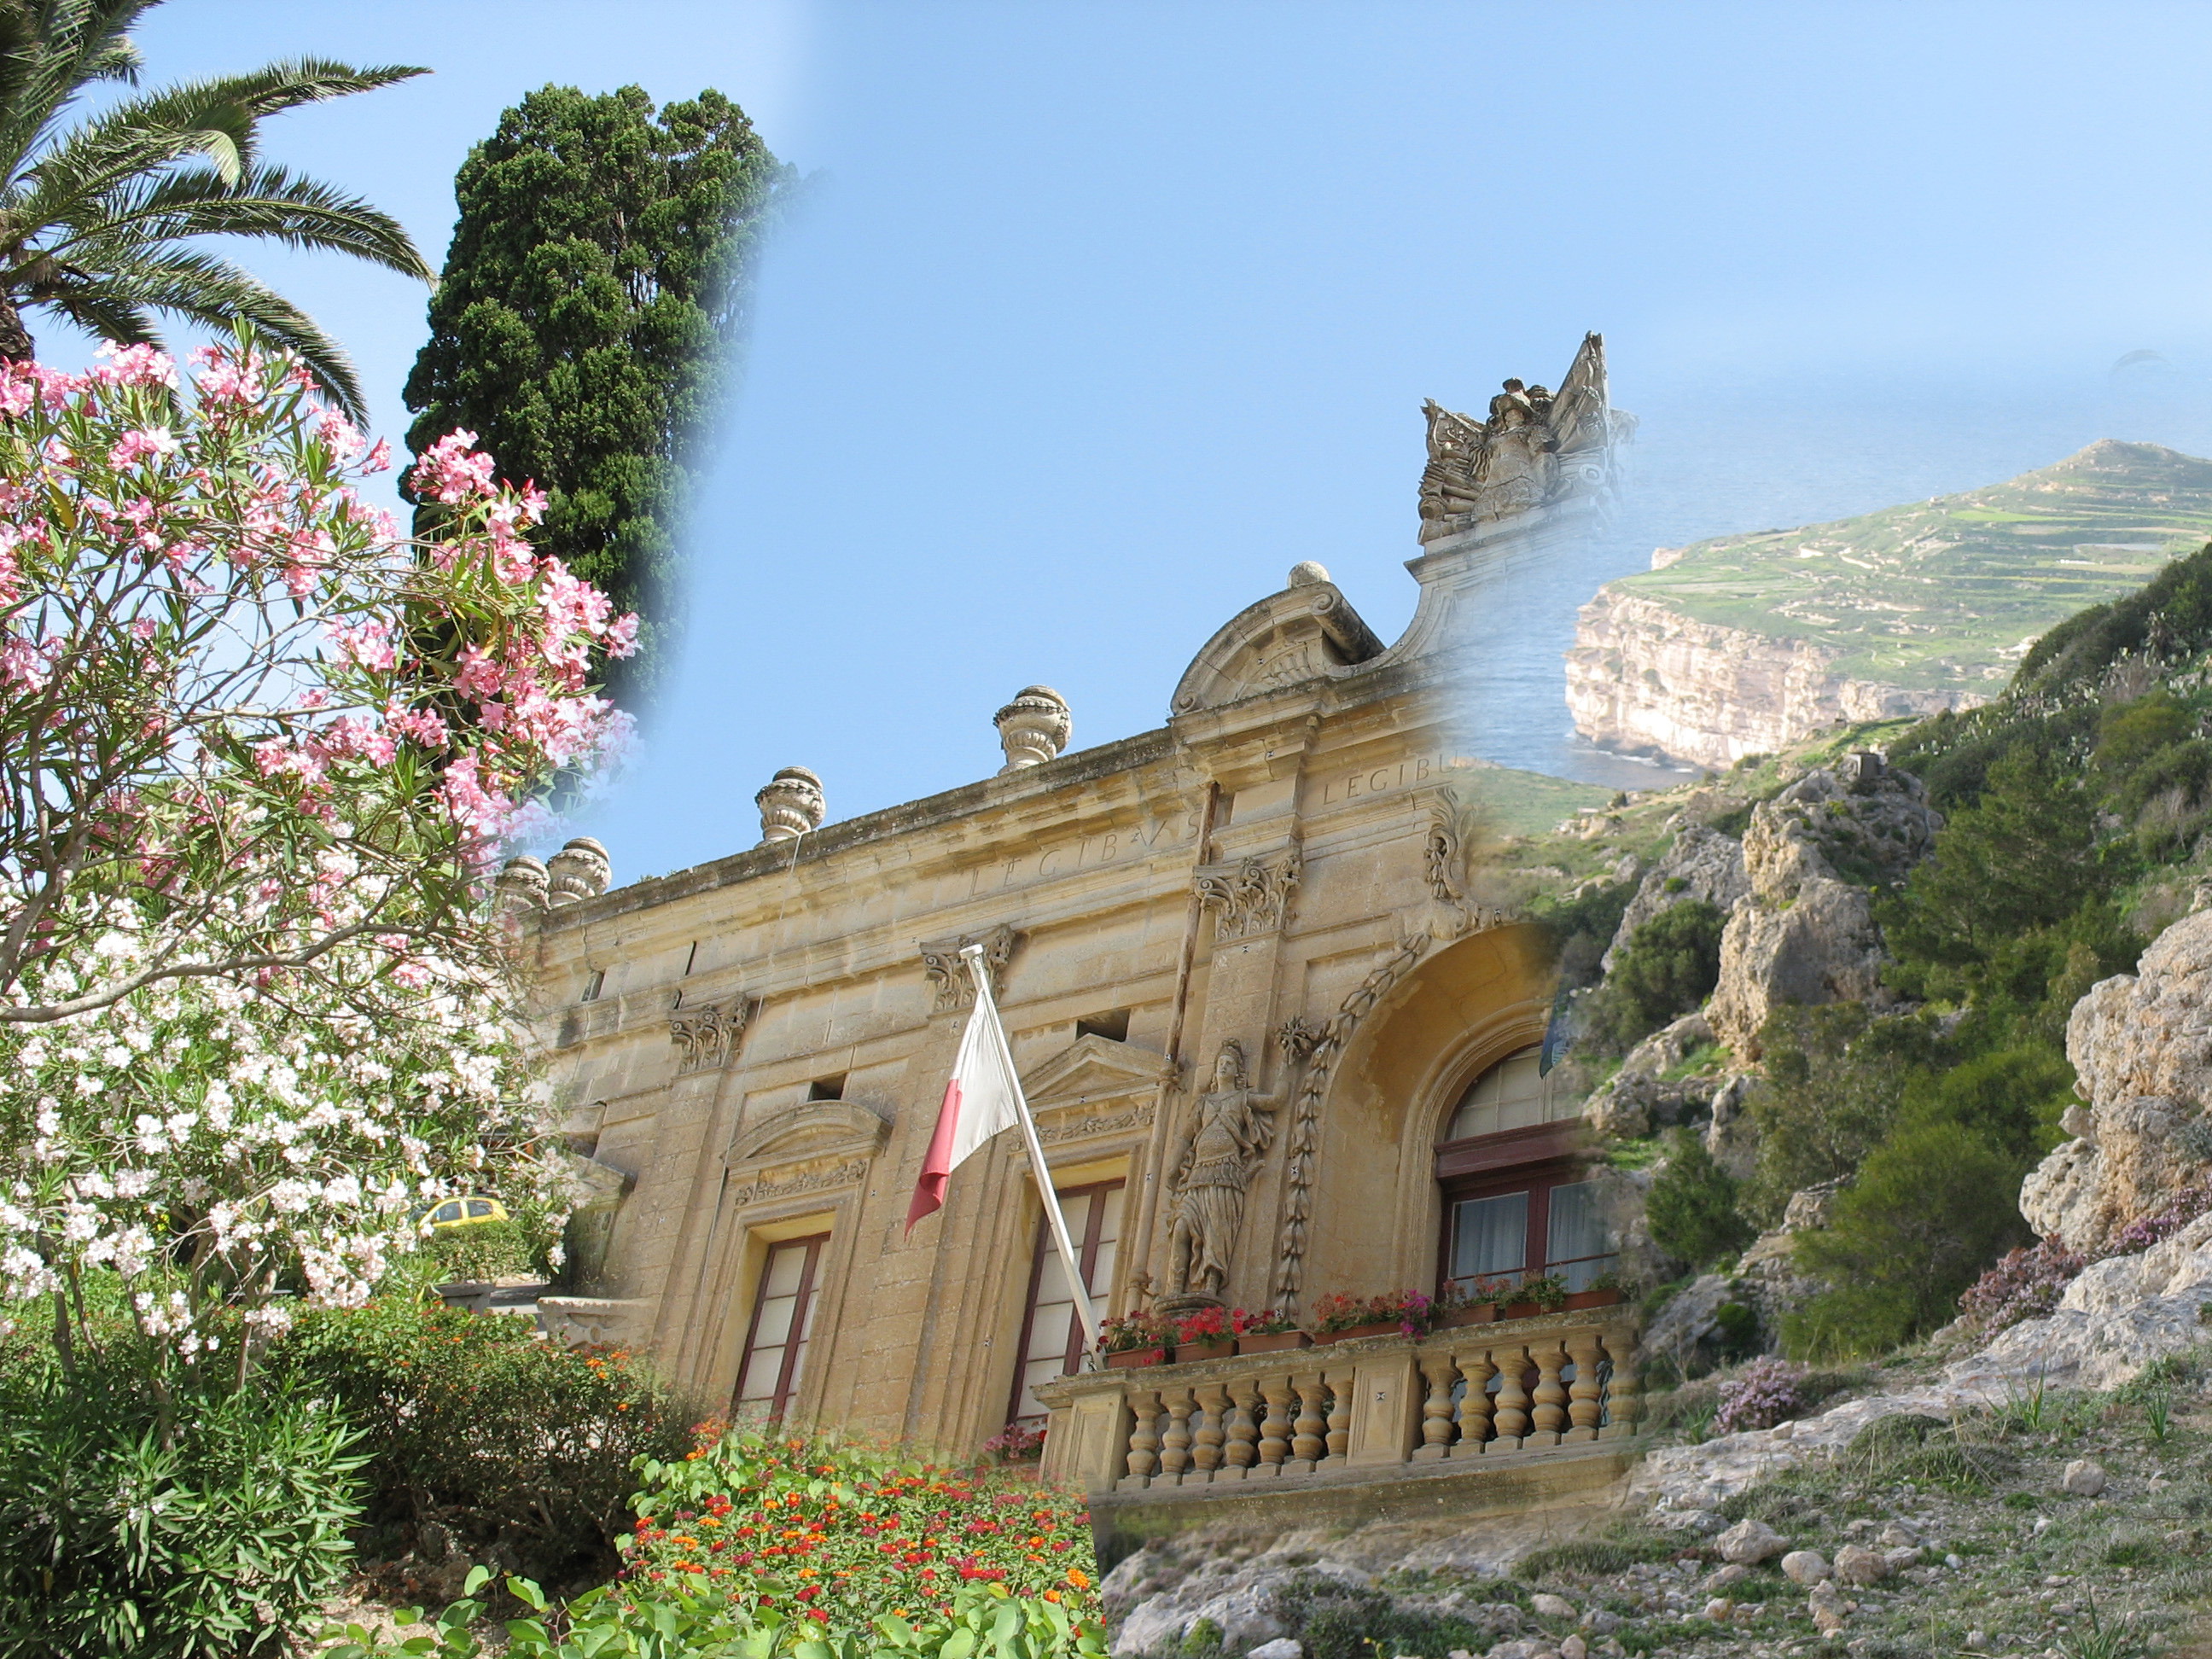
98, 218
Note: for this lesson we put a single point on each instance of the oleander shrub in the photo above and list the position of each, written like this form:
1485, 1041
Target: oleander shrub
520, 1449
216, 1528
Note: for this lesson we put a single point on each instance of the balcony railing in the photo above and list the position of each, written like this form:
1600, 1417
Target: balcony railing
1379, 1405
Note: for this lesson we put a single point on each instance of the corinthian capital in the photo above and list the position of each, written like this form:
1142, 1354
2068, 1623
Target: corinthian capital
1251, 896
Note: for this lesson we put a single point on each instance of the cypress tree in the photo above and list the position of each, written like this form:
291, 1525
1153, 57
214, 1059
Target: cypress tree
593, 296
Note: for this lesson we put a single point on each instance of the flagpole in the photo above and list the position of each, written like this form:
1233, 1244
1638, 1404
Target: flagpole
1077, 1291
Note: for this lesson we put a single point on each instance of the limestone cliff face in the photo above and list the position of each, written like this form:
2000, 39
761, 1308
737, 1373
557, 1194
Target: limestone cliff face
1641, 678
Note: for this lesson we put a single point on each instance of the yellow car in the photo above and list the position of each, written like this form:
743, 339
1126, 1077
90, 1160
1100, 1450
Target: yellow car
467, 1213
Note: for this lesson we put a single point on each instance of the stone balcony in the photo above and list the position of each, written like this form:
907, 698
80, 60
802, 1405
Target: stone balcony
1478, 1420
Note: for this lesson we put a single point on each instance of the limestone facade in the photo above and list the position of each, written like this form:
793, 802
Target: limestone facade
752, 1052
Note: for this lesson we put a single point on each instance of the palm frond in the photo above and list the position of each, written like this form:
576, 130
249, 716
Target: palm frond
58, 47
212, 292
225, 109
271, 203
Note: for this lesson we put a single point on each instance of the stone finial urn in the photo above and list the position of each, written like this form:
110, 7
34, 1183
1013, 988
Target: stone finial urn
579, 870
790, 805
1033, 728
521, 885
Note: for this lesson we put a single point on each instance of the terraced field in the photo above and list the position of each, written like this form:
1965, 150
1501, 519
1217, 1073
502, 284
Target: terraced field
1951, 591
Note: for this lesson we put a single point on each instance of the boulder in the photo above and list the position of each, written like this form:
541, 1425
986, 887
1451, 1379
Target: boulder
1804, 932
2083, 1478
1283, 1647
1857, 1565
1750, 1542
1700, 863
1825, 1604
1804, 1567
2142, 1049
1573, 1648
1546, 1605
1635, 1100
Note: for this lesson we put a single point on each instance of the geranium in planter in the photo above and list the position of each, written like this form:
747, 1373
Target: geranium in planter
1135, 1339
1341, 1318
1208, 1333
1543, 1294
1474, 1305
1604, 1291
1270, 1331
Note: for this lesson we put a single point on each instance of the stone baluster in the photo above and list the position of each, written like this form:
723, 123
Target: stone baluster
1243, 1427
1622, 1403
1175, 1444
1144, 1434
1550, 1414
1308, 1446
1275, 1428
1512, 1413
1586, 1403
1474, 1405
1340, 1414
1437, 1409
1207, 1436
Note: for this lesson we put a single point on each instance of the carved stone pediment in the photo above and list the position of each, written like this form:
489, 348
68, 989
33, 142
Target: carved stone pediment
1094, 1086
1306, 632
822, 1144
941, 961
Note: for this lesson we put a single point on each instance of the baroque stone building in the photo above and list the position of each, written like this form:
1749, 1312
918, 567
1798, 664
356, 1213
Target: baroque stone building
1275, 1046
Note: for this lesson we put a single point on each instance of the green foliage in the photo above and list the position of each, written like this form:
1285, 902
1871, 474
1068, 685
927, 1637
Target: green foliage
515, 1445
1692, 1207
1836, 1076
220, 1537
1929, 1208
599, 270
1335, 1620
1581, 929
2169, 618
480, 1251
1669, 967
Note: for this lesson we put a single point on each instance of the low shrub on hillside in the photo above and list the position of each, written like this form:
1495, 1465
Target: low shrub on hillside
1692, 1208
521, 1450
1668, 968
215, 1526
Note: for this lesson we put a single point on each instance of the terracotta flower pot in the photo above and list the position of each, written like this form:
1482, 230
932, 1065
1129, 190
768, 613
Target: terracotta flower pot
1219, 1347
1136, 1357
1277, 1343
1482, 1313
1520, 1310
1593, 1298
1388, 1327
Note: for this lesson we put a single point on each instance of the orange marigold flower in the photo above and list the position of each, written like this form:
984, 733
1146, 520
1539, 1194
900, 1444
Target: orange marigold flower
1052, 1596
1077, 1577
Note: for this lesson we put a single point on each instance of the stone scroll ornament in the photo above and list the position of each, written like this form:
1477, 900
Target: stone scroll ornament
940, 960
1236, 1127
1452, 830
705, 1038
1322, 1050
1252, 897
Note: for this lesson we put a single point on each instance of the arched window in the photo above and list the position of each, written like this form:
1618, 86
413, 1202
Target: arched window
1517, 1200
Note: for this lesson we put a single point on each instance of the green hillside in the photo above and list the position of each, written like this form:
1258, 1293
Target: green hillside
1952, 589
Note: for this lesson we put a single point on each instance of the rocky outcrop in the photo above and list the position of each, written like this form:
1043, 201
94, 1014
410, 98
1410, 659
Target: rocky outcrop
1644, 679
1805, 933
1700, 863
1640, 1097
2141, 1048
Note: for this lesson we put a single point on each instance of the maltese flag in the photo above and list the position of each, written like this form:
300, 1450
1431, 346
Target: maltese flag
983, 1099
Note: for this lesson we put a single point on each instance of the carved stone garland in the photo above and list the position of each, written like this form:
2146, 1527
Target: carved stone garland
1252, 896
940, 960
1323, 1052
705, 1038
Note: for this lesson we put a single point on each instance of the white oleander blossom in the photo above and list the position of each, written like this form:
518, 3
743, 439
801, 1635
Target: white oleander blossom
239, 1153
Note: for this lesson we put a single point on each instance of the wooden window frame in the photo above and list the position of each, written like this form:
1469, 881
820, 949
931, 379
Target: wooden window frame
1087, 1259
1533, 1160
802, 1305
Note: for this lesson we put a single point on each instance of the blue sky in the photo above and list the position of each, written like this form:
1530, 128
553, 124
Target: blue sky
1106, 315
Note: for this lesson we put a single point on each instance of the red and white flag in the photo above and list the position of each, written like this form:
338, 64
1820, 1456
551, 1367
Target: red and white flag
983, 1099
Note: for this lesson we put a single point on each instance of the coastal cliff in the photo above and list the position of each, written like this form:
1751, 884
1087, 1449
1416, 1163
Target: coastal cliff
1745, 644
1643, 678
